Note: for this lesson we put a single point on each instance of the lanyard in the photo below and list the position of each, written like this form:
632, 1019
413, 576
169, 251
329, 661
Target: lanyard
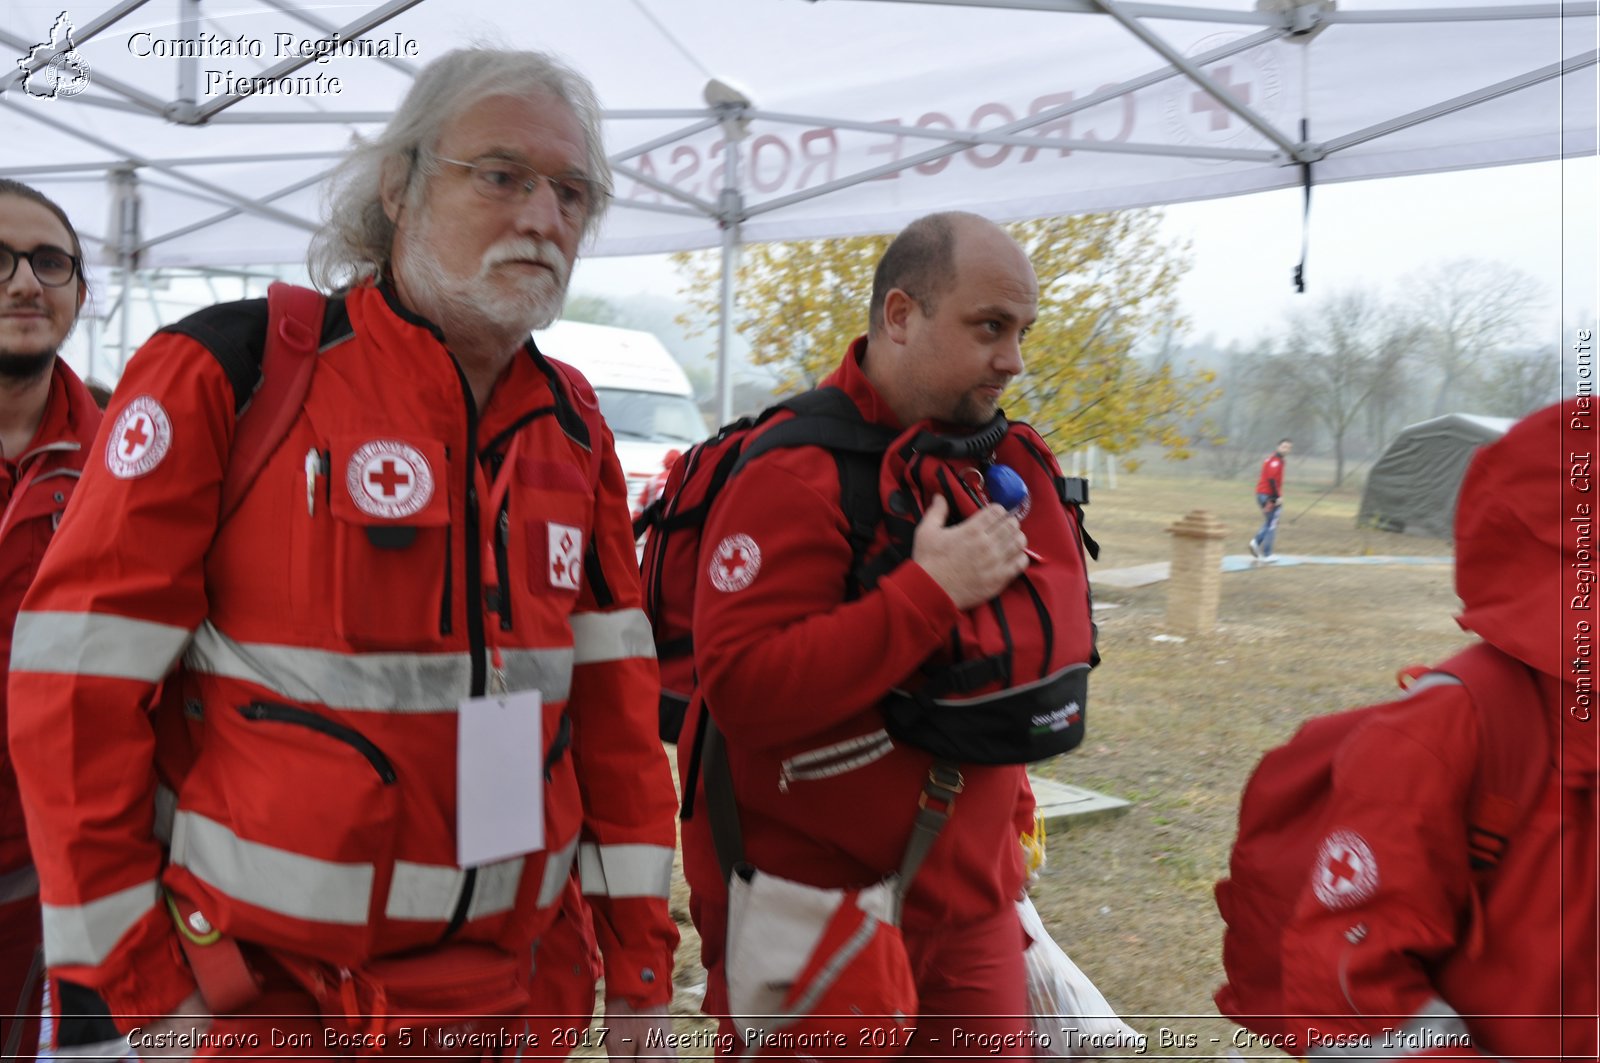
494, 501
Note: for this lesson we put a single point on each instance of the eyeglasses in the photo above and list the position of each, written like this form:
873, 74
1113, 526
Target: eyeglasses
51, 266
504, 181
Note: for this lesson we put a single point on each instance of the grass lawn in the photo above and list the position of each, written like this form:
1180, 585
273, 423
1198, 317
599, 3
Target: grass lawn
1176, 728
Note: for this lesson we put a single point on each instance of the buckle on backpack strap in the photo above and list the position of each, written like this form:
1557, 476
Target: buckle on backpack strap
225, 981
944, 785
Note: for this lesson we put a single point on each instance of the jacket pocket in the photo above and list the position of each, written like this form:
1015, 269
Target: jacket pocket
391, 507
286, 829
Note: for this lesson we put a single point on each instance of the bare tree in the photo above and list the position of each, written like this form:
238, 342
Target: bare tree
1517, 383
1471, 309
1340, 356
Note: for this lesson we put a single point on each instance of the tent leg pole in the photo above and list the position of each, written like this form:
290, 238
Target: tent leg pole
730, 269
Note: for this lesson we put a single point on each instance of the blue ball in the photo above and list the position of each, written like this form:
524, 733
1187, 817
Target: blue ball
1005, 487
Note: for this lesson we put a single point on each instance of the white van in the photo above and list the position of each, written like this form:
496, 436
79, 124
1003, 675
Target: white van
644, 394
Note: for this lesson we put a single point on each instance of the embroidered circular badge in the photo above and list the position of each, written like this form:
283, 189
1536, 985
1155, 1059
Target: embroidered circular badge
1346, 872
734, 563
388, 479
139, 439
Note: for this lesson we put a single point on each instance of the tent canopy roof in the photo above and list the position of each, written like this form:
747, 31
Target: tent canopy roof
847, 116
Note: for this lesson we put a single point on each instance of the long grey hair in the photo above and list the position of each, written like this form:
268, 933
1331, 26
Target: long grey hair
356, 240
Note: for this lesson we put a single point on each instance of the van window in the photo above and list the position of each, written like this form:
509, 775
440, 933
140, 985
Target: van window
651, 415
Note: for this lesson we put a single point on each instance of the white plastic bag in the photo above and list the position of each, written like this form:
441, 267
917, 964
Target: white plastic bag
1069, 1014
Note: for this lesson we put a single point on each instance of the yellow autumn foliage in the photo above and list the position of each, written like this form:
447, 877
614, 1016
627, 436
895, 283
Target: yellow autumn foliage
1107, 285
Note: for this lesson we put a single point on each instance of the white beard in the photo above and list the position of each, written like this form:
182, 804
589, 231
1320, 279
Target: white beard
481, 306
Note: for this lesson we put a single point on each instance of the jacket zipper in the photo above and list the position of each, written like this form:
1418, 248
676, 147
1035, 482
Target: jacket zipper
474, 600
275, 713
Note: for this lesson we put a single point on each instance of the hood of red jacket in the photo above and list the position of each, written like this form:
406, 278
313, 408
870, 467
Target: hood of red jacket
1526, 561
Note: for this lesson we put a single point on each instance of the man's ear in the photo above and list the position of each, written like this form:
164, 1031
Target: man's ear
898, 307
392, 184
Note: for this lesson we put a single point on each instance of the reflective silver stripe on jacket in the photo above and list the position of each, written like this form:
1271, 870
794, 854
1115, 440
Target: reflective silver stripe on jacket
625, 870
15, 885
305, 887
1436, 1025
86, 933
429, 892
97, 644
556, 870
614, 636
277, 880
371, 682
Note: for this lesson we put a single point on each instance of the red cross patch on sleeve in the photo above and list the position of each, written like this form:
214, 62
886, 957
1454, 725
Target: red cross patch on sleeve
139, 439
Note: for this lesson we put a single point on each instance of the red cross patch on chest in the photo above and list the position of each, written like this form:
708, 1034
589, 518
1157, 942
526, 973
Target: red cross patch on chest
566, 556
389, 479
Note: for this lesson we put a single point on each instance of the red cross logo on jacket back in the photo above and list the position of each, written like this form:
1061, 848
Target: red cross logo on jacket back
734, 563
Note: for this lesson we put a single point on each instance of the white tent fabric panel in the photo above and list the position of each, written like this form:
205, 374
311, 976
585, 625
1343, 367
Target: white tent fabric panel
837, 90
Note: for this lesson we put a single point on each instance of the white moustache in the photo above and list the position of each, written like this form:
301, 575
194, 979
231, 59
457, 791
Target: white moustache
542, 252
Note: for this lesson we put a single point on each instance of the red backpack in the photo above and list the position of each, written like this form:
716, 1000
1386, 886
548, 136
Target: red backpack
675, 522
1010, 684
1286, 803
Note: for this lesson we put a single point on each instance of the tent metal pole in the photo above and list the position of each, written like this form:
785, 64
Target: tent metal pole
732, 207
132, 158
124, 308
148, 103
1020, 125
1199, 77
188, 66
1569, 65
350, 31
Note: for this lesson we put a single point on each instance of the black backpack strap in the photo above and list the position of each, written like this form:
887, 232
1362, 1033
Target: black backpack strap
829, 418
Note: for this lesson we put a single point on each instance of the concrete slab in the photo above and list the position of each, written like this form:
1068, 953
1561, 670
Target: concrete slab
1066, 806
1158, 571
1128, 578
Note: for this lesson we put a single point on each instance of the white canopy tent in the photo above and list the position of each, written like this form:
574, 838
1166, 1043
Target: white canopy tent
844, 116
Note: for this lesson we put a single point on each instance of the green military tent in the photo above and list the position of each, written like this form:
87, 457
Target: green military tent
1414, 485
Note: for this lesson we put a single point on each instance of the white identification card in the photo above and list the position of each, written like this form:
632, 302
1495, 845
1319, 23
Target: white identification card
499, 778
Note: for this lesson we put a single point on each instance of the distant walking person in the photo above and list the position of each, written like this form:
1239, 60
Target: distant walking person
1269, 496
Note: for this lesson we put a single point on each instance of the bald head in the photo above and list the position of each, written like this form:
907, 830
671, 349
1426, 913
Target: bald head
921, 262
951, 301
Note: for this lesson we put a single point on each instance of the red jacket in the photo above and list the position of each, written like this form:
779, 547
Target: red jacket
327, 639
34, 491
1420, 944
791, 669
1270, 482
